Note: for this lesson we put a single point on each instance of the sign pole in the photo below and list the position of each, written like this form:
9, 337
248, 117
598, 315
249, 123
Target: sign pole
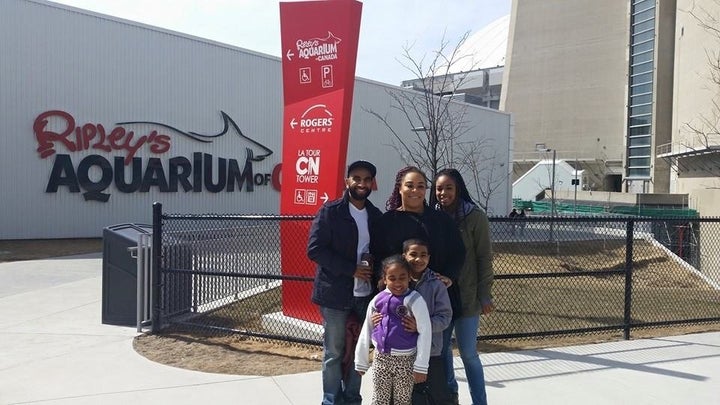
319, 51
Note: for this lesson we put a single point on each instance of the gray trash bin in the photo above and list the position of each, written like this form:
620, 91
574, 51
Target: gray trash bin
119, 273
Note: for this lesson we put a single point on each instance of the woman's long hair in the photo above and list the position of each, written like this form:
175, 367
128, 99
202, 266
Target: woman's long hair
463, 195
395, 201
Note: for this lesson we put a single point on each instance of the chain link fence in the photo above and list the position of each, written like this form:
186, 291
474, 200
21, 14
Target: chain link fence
553, 275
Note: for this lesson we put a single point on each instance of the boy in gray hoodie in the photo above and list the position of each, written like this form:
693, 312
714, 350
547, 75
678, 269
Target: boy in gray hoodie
434, 292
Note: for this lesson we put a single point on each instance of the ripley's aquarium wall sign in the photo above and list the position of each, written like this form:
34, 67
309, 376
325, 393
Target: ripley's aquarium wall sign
131, 174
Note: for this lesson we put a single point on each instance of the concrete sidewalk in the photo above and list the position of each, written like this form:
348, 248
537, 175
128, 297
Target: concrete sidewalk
54, 350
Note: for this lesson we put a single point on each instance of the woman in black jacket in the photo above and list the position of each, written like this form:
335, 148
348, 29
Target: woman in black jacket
409, 217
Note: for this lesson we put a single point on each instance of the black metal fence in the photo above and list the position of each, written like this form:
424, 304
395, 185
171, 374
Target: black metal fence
553, 276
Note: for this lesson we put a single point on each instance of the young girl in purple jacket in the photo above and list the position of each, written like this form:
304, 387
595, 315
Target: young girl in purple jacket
401, 357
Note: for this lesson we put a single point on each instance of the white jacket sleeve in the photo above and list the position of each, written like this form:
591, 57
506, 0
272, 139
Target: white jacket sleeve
424, 327
362, 349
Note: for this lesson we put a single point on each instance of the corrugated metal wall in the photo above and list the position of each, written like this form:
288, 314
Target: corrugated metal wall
106, 71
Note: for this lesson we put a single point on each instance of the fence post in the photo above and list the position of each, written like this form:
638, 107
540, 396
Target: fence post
627, 317
155, 300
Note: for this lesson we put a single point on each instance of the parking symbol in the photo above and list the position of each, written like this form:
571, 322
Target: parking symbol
311, 197
305, 77
327, 76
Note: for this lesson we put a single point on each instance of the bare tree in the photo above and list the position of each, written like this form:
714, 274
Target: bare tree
485, 178
435, 124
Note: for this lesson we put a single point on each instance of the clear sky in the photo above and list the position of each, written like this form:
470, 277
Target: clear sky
387, 25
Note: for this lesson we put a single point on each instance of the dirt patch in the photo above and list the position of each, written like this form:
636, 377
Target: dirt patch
16, 250
242, 356
228, 354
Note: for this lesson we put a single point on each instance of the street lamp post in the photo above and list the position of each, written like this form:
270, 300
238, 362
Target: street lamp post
575, 183
552, 202
552, 186
540, 147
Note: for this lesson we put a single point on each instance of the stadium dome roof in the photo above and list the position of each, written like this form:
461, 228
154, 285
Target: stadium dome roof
485, 48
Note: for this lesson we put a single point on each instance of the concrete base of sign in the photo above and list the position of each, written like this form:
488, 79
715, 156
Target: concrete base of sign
280, 324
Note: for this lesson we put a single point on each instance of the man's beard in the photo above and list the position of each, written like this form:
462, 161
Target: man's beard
354, 194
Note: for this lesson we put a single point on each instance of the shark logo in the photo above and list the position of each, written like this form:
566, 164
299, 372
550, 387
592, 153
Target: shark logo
320, 49
229, 125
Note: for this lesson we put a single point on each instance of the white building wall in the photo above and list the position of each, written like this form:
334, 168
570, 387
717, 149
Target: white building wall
105, 71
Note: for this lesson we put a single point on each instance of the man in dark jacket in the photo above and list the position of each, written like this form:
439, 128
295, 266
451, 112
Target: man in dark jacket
339, 243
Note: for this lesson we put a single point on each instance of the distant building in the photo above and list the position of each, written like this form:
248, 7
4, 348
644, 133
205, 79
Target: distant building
616, 86
620, 90
532, 184
480, 66
694, 157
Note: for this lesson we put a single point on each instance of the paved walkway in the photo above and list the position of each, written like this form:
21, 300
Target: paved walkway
54, 350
